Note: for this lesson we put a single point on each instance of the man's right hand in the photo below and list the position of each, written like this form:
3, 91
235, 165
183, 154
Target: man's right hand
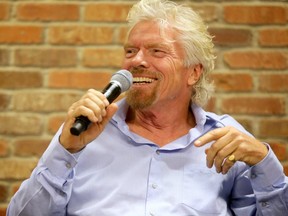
96, 108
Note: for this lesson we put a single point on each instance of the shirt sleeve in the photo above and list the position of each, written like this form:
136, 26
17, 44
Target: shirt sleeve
49, 187
270, 186
262, 189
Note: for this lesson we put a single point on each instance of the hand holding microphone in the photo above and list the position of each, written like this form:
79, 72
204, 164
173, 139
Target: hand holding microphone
120, 82
92, 107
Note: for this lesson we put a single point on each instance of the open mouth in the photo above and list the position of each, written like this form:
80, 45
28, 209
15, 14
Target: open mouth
142, 80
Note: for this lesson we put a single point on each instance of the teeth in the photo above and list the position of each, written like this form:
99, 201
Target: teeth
142, 80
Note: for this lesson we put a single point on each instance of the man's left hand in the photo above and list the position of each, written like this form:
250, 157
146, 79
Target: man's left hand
230, 146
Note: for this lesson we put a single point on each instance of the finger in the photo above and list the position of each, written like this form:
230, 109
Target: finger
97, 101
97, 107
217, 150
222, 156
211, 135
92, 105
87, 112
93, 94
111, 110
228, 163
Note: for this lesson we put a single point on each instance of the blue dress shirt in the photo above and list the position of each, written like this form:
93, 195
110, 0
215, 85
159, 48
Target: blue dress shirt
123, 174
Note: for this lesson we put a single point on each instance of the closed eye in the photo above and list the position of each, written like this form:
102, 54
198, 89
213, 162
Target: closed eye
158, 52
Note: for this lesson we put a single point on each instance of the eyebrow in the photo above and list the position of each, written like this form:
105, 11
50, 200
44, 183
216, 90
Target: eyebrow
151, 45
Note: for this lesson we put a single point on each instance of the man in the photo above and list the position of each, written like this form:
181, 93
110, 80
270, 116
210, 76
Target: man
152, 153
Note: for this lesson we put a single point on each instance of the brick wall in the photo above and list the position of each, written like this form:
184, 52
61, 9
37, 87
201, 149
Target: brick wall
52, 51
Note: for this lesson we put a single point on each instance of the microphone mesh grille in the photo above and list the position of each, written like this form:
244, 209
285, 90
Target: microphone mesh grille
125, 79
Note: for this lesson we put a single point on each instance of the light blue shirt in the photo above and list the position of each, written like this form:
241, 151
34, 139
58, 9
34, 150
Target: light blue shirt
123, 174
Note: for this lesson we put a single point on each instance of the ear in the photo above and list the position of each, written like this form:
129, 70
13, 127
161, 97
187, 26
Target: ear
195, 73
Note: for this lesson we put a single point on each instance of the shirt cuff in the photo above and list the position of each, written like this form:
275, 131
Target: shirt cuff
58, 160
267, 174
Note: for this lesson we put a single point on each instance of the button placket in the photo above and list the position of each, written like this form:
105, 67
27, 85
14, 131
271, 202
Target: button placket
153, 196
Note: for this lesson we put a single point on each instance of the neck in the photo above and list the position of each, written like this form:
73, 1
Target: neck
161, 124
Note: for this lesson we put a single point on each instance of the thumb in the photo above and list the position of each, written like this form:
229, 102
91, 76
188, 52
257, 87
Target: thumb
110, 111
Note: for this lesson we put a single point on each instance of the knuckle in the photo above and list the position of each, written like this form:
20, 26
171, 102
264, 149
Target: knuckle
86, 101
221, 154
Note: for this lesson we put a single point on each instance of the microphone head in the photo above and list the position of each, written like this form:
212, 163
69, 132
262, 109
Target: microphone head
124, 78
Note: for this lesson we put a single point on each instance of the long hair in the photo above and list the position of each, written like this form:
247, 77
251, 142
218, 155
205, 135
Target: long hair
192, 34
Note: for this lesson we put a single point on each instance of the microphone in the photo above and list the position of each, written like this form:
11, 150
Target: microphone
120, 82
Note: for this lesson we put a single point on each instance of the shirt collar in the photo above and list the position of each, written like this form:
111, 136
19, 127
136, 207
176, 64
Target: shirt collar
201, 116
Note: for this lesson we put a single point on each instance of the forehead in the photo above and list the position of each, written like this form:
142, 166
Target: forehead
151, 31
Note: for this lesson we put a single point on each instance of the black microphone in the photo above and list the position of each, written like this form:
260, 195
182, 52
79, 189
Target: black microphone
120, 82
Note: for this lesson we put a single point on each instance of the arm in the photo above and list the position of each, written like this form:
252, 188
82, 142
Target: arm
265, 175
270, 186
48, 190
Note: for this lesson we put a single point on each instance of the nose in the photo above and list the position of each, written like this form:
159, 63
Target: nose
140, 60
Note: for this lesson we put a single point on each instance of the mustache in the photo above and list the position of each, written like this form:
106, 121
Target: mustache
141, 70
138, 70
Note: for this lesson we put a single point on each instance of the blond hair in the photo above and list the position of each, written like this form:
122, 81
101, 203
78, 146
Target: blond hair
193, 35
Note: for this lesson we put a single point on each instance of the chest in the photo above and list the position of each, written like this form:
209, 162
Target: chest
122, 178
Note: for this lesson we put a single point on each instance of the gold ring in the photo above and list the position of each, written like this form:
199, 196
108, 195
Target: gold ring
232, 158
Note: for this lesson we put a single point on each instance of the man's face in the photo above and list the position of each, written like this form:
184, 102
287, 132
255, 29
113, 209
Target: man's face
156, 61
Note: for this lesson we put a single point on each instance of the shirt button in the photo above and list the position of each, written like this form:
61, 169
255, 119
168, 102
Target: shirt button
68, 165
154, 186
264, 204
253, 176
157, 152
151, 214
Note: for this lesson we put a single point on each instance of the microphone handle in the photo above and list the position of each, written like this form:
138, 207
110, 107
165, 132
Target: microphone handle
111, 91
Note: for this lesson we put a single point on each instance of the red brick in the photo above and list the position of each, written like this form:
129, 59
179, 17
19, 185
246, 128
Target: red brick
46, 57
231, 37
122, 36
106, 12
273, 128
3, 192
256, 59
78, 79
233, 82
81, 35
16, 169
273, 82
208, 12
55, 122
20, 79
4, 10
3, 210
247, 123
286, 169
4, 148
30, 147
20, 34
44, 101
273, 37
211, 105
280, 149
103, 57
15, 187
20, 124
255, 14
47, 12
4, 56
253, 105
4, 100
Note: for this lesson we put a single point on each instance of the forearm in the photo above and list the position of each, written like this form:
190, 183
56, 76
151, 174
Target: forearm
48, 190
37, 196
270, 186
